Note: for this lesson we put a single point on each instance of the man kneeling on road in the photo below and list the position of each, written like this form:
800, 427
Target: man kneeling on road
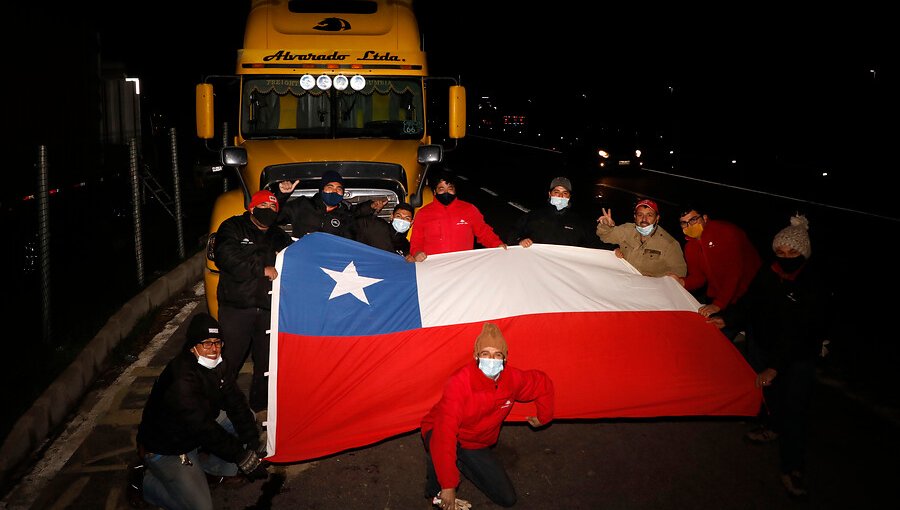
196, 426
461, 428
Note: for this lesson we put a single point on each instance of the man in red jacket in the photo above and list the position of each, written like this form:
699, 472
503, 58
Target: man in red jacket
448, 224
461, 428
720, 256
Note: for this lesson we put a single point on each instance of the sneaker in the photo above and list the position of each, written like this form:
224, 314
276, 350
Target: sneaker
761, 435
793, 484
135, 488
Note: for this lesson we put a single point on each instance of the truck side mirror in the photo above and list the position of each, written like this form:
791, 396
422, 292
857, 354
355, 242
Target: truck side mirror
234, 156
427, 155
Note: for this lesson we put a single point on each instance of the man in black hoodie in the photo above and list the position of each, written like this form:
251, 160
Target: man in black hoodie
325, 211
196, 422
554, 223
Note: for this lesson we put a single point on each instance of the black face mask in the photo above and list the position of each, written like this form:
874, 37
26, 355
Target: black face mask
266, 217
790, 265
445, 198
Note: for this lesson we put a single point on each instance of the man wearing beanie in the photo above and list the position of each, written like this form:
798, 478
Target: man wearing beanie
245, 250
555, 222
787, 308
183, 418
448, 223
644, 243
464, 424
325, 211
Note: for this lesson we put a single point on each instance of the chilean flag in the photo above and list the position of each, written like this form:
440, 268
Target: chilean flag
362, 341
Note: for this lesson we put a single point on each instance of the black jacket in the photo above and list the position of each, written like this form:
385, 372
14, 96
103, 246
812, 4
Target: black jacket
309, 214
786, 320
242, 253
180, 414
378, 233
547, 225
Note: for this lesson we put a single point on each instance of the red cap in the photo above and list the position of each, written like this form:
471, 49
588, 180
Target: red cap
648, 203
262, 196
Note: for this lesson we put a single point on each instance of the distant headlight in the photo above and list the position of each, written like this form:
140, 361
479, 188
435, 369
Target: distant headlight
603, 154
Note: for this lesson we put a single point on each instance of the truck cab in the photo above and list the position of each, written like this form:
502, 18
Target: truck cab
329, 85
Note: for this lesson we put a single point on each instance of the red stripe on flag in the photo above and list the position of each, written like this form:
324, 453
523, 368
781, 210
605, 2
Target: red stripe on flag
337, 393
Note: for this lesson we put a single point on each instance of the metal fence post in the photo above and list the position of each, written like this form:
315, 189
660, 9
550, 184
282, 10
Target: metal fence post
136, 209
176, 182
43, 196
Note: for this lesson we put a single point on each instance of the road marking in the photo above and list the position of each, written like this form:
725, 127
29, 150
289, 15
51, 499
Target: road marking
519, 207
64, 446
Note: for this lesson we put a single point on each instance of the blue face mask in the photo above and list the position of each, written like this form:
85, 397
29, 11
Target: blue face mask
332, 199
645, 231
559, 202
400, 225
490, 367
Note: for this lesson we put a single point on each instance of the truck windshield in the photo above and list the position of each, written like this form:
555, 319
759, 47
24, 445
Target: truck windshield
279, 107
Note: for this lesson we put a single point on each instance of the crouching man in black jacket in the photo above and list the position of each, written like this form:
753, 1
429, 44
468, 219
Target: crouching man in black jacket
196, 422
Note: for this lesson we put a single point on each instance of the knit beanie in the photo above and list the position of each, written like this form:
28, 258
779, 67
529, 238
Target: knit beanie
795, 236
201, 327
561, 181
490, 337
330, 176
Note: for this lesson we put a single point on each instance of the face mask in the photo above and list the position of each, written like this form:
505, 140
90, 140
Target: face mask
400, 225
332, 199
559, 202
490, 367
266, 217
693, 231
792, 264
209, 363
445, 198
645, 231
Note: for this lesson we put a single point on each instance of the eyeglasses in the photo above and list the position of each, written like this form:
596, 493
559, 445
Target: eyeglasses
692, 221
209, 344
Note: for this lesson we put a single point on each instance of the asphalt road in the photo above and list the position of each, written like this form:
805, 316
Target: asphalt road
661, 463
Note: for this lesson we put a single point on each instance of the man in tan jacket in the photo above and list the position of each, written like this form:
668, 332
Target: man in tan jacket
644, 244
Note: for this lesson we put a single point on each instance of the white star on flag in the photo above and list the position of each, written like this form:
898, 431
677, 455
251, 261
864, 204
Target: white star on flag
349, 281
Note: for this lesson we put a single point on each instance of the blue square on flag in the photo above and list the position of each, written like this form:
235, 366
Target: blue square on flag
333, 286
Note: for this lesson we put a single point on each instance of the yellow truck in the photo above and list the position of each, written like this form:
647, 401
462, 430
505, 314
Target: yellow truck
331, 85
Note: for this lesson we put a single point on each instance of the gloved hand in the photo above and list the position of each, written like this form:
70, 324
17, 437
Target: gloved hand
252, 467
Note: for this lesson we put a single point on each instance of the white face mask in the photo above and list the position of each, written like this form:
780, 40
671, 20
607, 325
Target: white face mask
400, 225
645, 231
490, 367
206, 362
560, 202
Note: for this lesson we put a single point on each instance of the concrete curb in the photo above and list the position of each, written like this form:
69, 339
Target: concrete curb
63, 395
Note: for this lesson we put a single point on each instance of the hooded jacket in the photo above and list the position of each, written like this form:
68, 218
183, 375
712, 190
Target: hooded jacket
472, 409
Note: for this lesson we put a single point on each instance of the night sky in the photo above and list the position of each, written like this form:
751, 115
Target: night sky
808, 86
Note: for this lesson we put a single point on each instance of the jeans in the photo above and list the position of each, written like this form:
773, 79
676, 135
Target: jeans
170, 484
481, 467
